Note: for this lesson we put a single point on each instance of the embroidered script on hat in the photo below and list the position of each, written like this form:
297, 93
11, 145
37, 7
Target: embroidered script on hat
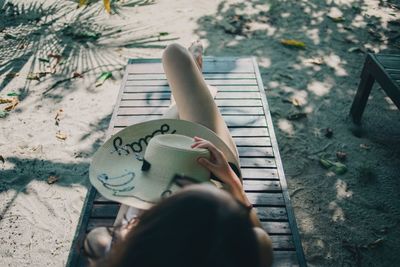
137, 146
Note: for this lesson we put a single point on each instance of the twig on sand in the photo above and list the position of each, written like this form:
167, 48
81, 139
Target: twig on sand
296, 191
322, 149
57, 83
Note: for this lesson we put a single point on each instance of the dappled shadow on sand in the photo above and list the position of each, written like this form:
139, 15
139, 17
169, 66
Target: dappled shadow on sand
310, 90
15, 180
59, 43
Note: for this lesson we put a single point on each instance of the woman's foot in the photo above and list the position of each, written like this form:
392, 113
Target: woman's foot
99, 241
196, 50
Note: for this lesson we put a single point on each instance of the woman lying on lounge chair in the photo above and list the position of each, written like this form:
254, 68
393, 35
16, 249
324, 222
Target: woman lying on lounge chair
198, 225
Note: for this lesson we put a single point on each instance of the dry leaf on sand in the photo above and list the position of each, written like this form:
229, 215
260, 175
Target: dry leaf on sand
61, 136
12, 105
293, 43
365, 146
4, 100
52, 179
336, 18
315, 61
58, 116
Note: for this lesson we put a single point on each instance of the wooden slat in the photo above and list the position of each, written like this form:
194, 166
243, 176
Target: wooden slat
105, 210
109, 209
214, 82
259, 173
221, 88
166, 95
252, 141
276, 227
280, 232
234, 131
389, 61
261, 186
257, 162
248, 132
282, 242
207, 76
231, 120
285, 259
266, 199
166, 103
232, 66
245, 151
137, 111
272, 213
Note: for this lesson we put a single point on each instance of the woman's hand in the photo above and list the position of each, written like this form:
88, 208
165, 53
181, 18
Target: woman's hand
219, 166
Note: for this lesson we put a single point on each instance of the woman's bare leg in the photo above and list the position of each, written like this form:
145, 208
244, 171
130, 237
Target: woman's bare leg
193, 99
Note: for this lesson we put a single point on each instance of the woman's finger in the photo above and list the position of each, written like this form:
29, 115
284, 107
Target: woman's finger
207, 164
213, 150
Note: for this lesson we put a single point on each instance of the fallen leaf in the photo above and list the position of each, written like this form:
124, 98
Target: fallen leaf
103, 77
58, 115
336, 18
374, 244
2, 159
12, 75
56, 56
107, 6
341, 155
12, 105
61, 136
77, 75
293, 43
3, 114
8, 36
52, 179
4, 100
315, 61
44, 60
296, 116
33, 76
163, 33
326, 163
365, 146
288, 76
295, 102
336, 167
82, 2
354, 49
13, 94
328, 132
339, 168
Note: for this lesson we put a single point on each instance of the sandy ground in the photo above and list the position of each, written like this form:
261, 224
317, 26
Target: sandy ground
344, 220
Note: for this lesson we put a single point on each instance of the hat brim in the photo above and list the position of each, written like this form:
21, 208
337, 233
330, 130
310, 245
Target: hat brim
115, 170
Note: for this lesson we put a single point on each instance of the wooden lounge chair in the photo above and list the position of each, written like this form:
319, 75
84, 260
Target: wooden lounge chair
385, 69
145, 95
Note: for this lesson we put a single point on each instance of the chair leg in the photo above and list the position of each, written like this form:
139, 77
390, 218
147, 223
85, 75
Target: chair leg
361, 97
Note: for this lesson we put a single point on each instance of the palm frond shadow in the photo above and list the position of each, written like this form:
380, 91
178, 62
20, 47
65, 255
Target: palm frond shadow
83, 41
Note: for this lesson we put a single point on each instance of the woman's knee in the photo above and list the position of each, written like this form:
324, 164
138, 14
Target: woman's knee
177, 54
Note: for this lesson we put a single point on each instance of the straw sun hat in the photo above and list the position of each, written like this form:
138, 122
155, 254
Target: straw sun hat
151, 160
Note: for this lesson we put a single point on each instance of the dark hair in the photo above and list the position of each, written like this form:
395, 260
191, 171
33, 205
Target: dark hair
191, 228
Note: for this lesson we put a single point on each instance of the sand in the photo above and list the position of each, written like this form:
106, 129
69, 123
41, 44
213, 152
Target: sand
344, 220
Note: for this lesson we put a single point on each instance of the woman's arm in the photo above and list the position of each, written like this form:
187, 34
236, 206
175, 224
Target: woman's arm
219, 166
